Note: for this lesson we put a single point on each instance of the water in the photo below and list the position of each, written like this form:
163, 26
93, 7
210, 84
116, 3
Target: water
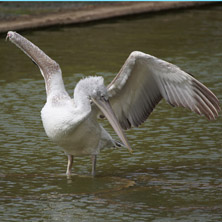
174, 173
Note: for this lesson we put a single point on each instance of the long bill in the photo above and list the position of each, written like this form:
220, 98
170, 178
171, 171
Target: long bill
35, 53
107, 110
48, 67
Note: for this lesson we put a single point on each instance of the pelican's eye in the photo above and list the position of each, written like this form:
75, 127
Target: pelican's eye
90, 100
104, 97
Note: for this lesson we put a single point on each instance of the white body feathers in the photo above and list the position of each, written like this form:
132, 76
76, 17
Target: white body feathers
68, 122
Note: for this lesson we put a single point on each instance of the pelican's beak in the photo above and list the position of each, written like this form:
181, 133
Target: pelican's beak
107, 110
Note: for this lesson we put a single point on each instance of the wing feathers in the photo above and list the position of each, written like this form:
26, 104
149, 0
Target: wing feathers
144, 80
195, 97
207, 93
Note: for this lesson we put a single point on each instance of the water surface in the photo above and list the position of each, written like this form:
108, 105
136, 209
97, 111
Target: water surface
174, 173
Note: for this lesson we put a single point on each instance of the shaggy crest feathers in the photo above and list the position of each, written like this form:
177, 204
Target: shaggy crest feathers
90, 85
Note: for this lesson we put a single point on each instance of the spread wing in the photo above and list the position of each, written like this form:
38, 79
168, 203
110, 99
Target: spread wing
144, 80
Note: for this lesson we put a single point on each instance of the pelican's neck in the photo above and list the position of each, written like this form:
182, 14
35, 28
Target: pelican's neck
56, 92
54, 84
81, 100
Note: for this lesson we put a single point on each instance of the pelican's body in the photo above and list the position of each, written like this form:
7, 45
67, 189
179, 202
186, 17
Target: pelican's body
126, 102
68, 122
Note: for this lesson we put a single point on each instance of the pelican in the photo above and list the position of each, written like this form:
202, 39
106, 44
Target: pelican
126, 102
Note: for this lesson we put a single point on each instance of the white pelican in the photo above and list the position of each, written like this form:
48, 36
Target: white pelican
126, 102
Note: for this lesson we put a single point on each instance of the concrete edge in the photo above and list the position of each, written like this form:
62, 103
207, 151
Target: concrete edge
93, 14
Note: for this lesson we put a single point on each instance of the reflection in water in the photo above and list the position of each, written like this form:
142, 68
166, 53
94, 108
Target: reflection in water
175, 170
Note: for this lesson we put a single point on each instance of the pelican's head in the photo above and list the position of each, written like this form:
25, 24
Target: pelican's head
93, 87
96, 92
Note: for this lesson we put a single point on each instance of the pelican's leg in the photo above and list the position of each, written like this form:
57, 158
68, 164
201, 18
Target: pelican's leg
69, 165
94, 165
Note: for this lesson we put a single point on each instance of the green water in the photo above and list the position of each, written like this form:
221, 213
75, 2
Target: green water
174, 173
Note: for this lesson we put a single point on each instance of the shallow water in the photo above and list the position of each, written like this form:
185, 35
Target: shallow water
174, 173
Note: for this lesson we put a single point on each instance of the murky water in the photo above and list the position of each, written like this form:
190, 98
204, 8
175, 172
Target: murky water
174, 173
